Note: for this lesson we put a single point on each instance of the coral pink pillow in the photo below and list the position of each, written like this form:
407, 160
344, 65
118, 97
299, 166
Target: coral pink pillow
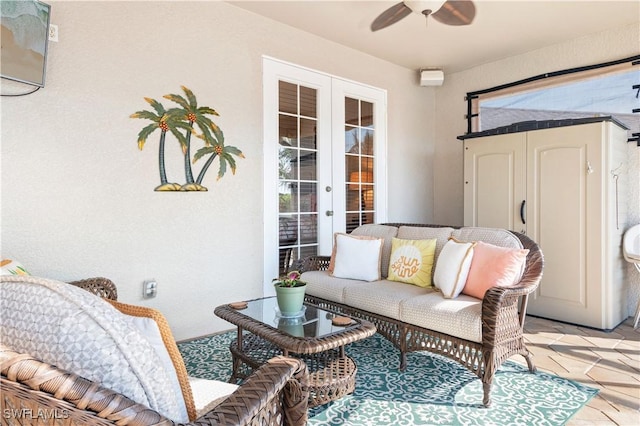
493, 266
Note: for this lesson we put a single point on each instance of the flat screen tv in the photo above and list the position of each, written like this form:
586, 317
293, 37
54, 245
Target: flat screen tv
24, 38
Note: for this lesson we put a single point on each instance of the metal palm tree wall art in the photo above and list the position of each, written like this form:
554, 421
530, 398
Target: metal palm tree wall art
181, 122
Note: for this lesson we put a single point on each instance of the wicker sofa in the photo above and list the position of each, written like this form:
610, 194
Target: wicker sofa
33, 391
479, 334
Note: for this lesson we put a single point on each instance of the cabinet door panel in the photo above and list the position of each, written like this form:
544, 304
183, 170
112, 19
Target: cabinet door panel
494, 186
560, 215
564, 202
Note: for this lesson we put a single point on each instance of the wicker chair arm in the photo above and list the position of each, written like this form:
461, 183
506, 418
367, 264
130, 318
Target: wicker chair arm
530, 277
251, 402
500, 304
81, 394
505, 294
312, 263
99, 286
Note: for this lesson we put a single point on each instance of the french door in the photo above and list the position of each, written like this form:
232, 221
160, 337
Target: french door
324, 162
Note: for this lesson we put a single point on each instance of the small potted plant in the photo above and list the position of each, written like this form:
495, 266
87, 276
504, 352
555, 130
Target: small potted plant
290, 293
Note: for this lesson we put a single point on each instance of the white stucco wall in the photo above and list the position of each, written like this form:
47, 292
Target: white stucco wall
77, 194
451, 108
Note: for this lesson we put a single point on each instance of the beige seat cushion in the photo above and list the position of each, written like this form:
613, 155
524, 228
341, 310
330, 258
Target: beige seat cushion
460, 317
381, 297
321, 284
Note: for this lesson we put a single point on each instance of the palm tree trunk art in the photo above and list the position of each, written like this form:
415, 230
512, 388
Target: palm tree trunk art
159, 121
180, 122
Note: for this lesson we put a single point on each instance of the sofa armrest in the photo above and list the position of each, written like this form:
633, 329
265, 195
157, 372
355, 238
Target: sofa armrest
312, 263
260, 393
99, 286
500, 304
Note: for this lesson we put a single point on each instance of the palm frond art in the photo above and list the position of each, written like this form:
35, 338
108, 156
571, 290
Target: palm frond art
158, 121
215, 147
181, 123
191, 113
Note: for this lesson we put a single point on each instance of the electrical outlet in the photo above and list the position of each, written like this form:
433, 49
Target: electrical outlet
53, 32
149, 289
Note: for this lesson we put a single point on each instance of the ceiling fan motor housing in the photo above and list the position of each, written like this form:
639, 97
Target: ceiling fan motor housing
425, 7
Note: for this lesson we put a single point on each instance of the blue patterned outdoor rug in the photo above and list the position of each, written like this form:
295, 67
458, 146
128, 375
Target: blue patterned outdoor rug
432, 391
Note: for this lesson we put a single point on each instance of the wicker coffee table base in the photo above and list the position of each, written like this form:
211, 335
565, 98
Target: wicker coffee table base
332, 374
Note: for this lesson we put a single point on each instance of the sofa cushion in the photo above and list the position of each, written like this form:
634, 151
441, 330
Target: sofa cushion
357, 258
498, 237
381, 297
453, 267
460, 317
321, 284
77, 331
208, 394
494, 266
411, 261
427, 233
385, 232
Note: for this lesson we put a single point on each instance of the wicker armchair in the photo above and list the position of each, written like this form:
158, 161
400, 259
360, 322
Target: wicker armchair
33, 392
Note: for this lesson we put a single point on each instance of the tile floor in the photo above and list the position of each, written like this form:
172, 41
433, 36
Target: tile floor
607, 361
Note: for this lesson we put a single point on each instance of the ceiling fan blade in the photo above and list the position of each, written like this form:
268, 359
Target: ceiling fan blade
456, 12
390, 16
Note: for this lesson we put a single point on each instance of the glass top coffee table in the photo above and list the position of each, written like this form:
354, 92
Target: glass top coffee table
313, 337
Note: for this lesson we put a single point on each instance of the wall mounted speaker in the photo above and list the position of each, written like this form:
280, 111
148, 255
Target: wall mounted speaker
431, 77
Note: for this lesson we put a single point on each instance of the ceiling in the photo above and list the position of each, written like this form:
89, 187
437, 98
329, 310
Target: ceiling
500, 29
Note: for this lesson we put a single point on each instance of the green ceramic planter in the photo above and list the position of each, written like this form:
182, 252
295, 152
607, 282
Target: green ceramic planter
290, 299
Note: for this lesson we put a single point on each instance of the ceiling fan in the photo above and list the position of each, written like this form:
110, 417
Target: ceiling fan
450, 12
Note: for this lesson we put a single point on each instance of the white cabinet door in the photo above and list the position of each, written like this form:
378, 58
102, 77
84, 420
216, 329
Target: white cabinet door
494, 181
564, 197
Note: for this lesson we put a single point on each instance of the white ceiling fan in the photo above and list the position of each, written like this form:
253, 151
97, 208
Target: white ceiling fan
450, 12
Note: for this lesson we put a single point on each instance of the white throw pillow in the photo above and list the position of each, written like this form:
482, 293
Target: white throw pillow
452, 268
357, 258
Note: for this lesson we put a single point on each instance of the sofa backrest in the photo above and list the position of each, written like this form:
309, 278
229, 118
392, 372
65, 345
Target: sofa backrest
495, 236
441, 235
79, 332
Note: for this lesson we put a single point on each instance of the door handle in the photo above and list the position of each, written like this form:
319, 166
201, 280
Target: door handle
522, 206
329, 212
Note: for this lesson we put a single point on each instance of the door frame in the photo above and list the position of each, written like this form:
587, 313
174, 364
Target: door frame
329, 136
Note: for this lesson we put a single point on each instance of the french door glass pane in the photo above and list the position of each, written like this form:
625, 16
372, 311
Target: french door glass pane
288, 97
359, 161
308, 133
297, 177
288, 130
366, 114
308, 102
